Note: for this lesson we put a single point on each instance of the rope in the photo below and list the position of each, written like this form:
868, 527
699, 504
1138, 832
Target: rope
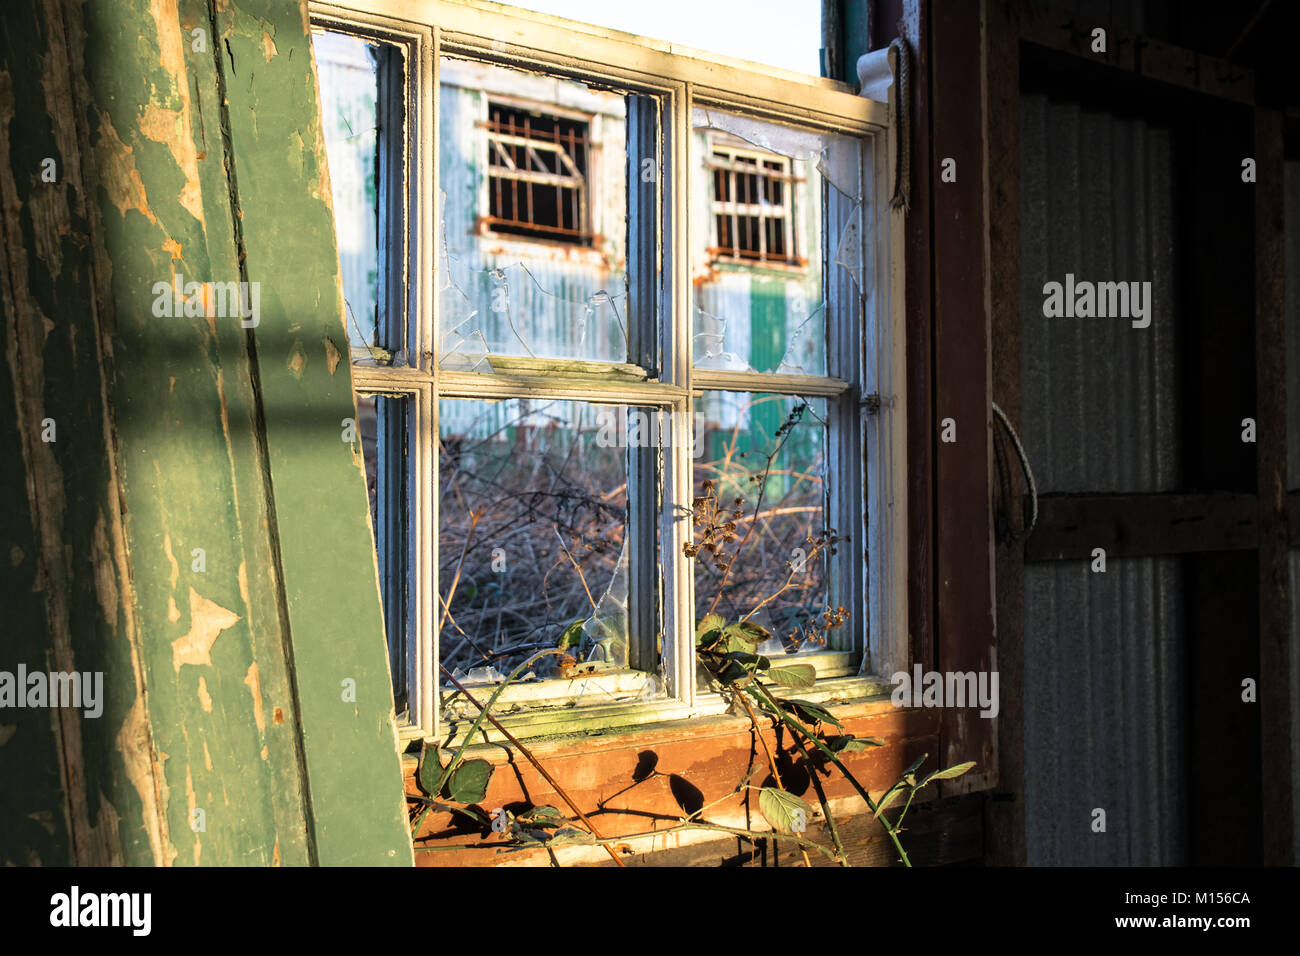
902, 108
1024, 464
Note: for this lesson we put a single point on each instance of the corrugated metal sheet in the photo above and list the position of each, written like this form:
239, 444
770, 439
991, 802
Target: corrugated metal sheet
1103, 651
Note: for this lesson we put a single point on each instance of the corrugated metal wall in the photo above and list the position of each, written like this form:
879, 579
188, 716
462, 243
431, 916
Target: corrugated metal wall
1104, 657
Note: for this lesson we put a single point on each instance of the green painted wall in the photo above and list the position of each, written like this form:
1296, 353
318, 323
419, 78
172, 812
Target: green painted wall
197, 530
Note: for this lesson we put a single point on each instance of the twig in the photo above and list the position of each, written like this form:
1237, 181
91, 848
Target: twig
532, 760
577, 567
771, 761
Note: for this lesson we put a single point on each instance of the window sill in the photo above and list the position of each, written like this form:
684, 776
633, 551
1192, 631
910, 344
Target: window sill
701, 760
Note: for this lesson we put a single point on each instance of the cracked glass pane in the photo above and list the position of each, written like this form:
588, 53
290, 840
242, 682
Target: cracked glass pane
383, 425
534, 173
350, 71
758, 255
760, 538
533, 545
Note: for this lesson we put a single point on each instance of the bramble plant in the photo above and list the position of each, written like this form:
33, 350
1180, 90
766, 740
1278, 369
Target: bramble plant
728, 652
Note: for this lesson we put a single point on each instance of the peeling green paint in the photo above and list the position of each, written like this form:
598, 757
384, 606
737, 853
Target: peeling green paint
177, 434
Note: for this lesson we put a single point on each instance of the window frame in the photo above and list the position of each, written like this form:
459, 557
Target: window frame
869, 365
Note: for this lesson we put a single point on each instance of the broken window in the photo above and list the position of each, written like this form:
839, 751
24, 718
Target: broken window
637, 312
537, 175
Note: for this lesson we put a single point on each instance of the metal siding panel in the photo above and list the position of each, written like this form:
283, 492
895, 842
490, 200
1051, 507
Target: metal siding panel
1103, 653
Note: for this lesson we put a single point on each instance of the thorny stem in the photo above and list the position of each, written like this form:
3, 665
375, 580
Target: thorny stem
771, 761
772, 707
531, 759
821, 798
459, 755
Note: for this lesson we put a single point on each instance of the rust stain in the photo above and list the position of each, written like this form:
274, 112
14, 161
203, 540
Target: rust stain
207, 620
205, 699
173, 612
15, 556
265, 752
255, 686
277, 716
171, 384
275, 855
7, 732
243, 583
331, 354
297, 360
268, 47
172, 247
118, 173
207, 757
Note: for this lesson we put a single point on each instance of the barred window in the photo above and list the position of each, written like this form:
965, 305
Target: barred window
752, 206
537, 171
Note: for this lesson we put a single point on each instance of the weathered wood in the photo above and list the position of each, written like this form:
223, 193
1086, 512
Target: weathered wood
161, 451
316, 492
1138, 525
963, 520
908, 20
939, 833
1275, 690
1006, 817
1137, 54
678, 765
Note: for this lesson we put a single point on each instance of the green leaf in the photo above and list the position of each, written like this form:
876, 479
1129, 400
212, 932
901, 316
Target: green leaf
798, 676
544, 816
566, 836
848, 744
750, 661
950, 773
572, 636
732, 672
783, 810
570, 836
757, 633
470, 781
708, 639
740, 638
430, 775
810, 713
710, 622
891, 797
908, 776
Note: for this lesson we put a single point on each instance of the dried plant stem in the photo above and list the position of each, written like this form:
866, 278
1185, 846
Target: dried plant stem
771, 760
532, 760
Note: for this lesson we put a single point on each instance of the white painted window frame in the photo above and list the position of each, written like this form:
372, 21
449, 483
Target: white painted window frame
866, 357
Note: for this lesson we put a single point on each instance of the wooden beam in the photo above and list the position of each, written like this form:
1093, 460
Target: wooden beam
1071, 526
1006, 817
1275, 688
963, 517
907, 19
1137, 54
